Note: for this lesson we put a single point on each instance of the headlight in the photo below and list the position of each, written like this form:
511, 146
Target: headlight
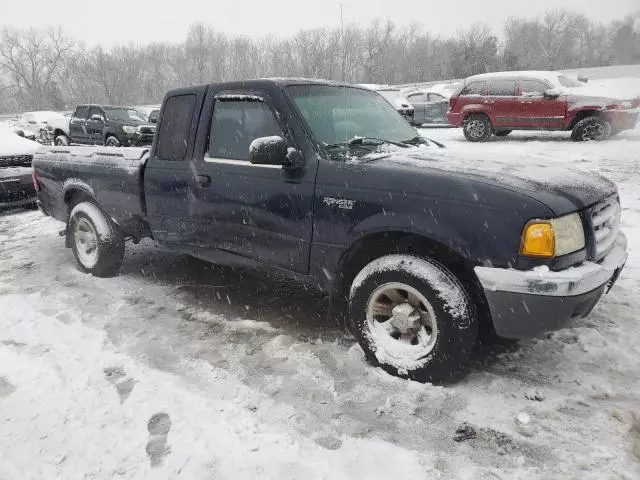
555, 237
129, 129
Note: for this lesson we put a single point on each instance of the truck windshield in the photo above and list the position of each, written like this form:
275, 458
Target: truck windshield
338, 114
123, 115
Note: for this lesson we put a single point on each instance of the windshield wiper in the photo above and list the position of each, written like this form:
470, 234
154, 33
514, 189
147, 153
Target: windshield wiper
420, 140
363, 141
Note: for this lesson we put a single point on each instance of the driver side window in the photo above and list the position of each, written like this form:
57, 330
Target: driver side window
236, 123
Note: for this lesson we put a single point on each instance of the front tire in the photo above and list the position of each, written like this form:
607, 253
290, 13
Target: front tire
413, 318
112, 141
97, 244
591, 129
61, 141
477, 128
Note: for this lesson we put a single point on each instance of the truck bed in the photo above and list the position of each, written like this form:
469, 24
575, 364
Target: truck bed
112, 176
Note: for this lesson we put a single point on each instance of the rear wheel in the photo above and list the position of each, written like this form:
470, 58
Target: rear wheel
413, 318
591, 128
96, 242
503, 133
477, 128
112, 141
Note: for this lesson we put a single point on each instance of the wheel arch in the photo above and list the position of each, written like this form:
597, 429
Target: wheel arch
581, 114
377, 244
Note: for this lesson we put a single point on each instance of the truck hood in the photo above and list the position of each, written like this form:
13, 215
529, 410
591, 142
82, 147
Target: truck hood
561, 189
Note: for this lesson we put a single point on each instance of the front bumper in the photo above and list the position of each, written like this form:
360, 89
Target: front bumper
622, 119
526, 303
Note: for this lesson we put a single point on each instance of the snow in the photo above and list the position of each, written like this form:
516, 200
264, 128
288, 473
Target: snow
86, 363
262, 143
12, 144
453, 297
96, 216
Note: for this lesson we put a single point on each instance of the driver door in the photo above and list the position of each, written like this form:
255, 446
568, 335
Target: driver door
95, 128
260, 212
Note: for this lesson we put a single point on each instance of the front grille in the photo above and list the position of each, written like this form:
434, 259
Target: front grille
605, 221
16, 161
146, 130
14, 191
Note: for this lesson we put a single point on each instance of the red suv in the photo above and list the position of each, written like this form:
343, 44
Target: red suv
497, 103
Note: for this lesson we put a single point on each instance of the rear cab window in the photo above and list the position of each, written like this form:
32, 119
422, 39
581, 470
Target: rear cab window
175, 127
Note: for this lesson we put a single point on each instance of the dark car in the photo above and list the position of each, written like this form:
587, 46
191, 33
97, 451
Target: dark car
498, 103
429, 107
417, 249
16, 186
110, 125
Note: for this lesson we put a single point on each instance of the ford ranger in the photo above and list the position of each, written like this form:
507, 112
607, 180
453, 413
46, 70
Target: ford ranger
326, 182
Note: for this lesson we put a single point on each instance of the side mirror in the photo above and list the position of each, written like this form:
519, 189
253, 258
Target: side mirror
552, 93
268, 151
96, 118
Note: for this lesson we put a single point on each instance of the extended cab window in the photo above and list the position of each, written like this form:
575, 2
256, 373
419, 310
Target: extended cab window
502, 88
175, 126
81, 113
236, 123
474, 88
532, 87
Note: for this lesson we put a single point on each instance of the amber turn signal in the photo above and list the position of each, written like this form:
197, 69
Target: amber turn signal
538, 240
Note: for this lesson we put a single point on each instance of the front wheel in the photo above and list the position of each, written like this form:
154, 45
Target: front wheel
413, 317
477, 128
591, 128
112, 142
61, 141
96, 242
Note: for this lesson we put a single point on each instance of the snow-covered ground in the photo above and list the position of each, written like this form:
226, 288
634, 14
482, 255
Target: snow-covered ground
178, 369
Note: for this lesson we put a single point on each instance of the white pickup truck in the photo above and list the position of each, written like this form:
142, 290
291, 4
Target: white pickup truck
58, 128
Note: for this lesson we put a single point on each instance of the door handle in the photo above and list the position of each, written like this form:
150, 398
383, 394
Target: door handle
526, 101
203, 180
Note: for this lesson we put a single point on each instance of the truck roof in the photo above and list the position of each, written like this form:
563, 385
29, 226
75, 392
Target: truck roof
261, 83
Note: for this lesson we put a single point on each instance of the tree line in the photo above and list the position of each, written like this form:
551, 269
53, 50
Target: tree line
47, 69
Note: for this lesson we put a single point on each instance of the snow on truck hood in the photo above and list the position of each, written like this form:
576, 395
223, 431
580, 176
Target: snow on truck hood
544, 182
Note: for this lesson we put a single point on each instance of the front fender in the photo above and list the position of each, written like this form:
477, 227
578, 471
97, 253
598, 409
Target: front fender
475, 108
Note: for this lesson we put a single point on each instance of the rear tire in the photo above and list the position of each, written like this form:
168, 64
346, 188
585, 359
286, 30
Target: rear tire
477, 127
112, 141
503, 133
61, 141
413, 318
96, 241
591, 129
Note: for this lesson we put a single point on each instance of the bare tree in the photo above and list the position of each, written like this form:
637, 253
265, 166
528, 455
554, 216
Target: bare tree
31, 59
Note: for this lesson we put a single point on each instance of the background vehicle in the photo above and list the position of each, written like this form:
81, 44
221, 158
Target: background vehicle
58, 128
149, 112
395, 97
498, 103
16, 153
109, 125
258, 173
429, 107
30, 124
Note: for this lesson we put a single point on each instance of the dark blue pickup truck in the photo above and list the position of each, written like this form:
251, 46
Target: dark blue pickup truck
418, 248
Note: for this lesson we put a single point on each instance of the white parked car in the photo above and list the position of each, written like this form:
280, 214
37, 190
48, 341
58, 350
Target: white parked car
395, 97
30, 124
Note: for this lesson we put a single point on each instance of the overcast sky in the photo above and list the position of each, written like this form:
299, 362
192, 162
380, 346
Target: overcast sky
143, 21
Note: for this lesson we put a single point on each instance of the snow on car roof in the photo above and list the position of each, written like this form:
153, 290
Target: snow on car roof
377, 87
539, 74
